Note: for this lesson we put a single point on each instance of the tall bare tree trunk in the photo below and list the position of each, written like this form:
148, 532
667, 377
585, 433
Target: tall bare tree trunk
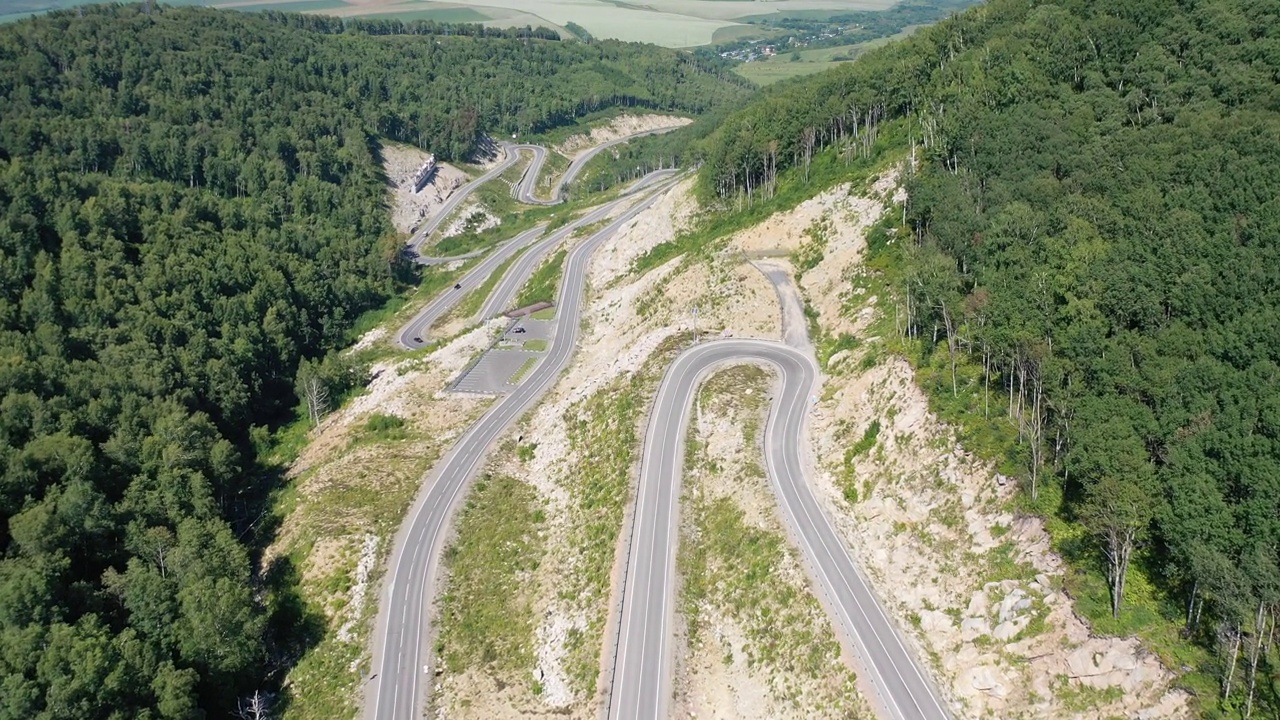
1231, 669
986, 380
255, 707
951, 345
1259, 625
317, 398
809, 136
1035, 432
1120, 543
1191, 605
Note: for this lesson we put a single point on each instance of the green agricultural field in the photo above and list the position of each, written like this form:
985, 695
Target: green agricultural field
670, 23
622, 20
312, 6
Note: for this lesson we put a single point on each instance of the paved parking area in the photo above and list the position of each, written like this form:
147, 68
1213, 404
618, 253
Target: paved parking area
533, 329
494, 371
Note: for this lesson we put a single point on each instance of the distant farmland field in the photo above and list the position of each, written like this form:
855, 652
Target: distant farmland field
806, 62
672, 23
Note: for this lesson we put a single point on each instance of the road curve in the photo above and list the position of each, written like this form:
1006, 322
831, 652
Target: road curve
401, 644
524, 190
642, 668
581, 161
413, 334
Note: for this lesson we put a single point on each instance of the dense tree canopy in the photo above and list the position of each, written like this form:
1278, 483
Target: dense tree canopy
1097, 228
191, 203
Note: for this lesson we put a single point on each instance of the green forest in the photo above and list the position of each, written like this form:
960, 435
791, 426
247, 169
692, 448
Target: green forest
192, 216
1091, 285
191, 206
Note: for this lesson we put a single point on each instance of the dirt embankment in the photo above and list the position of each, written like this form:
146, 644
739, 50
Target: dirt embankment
584, 478
621, 126
351, 486
976, 588
584, 475
409, 208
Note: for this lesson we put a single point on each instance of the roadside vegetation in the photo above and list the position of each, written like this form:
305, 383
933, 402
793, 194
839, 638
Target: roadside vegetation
737, 567
1063, 292
344, 511
604, 435
470, 305
544, 284
485, 616
524, 369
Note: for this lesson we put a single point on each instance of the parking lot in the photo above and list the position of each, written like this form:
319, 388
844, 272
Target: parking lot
510, 360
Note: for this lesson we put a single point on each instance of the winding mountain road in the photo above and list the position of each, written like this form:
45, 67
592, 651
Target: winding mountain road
641, 679
642, 670
402, 656
524, 190
413, 334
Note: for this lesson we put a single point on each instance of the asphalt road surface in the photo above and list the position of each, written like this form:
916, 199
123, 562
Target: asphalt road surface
581, 161
642, 668
402, 661
524, 190
413, 334
504, 293
516, 276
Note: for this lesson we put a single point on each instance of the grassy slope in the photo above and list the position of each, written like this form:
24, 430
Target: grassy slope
485, 599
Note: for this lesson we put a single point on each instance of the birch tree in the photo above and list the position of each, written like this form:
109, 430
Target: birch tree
1117, 511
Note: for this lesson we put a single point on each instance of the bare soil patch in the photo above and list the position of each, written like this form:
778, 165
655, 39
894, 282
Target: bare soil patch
409, 208
618, 127
975, 587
